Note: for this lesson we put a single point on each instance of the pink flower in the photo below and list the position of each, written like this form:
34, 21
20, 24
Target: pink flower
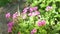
18, 32
9, 30
33, 31
37, 12
7, 15
35, 8
25, 10
48, 8
41, 23
10, 24
34, 13
30, 14
15, 15
31, 9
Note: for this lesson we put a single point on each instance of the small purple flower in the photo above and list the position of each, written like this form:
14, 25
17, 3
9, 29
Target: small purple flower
31, 9
34, 31
10, 25
37, 12
25, 10
15, 15
35, 8
9, 30
34, 13
18, 32
7, 15
41, 23
30, 14
48, 8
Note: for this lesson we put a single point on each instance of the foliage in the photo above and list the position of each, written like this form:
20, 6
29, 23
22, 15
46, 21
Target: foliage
41, 17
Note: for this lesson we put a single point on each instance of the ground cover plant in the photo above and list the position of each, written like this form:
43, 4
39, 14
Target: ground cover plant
39, 17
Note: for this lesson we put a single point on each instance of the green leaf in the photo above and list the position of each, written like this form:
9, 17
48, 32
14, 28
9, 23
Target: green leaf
58, 15
42, 5
59, 9
34, 3
57, 0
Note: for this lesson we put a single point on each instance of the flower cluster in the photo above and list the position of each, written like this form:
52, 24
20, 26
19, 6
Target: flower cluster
15, 15
48, 8
27, 12
38, 18
32, 11
7, 15
10, 25
41, 23
34, 31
